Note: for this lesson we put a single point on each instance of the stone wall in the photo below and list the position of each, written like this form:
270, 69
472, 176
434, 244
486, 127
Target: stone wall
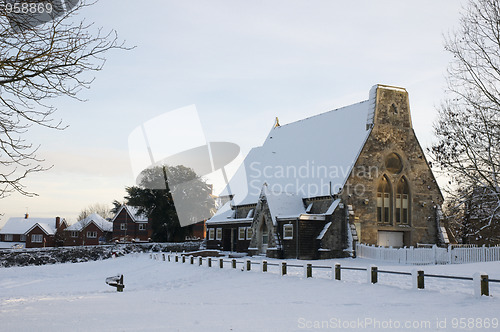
392, 133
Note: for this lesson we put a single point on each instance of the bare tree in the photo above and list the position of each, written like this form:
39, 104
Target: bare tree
468, 128
41, 57
101, 209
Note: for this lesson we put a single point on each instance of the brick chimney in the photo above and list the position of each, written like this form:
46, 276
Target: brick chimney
58, 222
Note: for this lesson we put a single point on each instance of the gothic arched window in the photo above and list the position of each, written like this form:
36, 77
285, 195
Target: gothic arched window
403, 202
384, 198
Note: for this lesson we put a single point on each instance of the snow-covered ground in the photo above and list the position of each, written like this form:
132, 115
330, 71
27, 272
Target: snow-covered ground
168, 296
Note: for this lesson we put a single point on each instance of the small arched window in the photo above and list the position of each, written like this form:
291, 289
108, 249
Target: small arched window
384, 201
402, 202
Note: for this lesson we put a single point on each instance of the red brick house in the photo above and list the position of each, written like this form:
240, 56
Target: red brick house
129, 225
45, 233
92, 230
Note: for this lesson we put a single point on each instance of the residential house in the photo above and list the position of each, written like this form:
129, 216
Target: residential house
33, 232
92, 230
320, 184
129, 225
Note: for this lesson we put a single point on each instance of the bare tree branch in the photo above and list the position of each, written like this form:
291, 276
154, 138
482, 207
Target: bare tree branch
41, 60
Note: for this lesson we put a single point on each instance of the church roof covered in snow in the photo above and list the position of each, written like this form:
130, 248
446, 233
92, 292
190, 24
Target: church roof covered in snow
310, 158
283, 204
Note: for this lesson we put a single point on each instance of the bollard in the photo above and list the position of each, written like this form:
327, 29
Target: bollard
150, 256
200, 261
308, 270
221, 263
420, 279
183, 259
209, 261
163, 257
176, 258
372, 274
337, 271
264, 266
233, 263
283, 268
481, 286
191, 260
249, 265
484, 285
168, 257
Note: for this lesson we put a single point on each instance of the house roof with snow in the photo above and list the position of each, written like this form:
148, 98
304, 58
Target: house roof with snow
100, 222
133, 212
47, 228
21, 225
310, 158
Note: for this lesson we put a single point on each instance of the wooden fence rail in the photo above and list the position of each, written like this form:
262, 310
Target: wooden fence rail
480, 280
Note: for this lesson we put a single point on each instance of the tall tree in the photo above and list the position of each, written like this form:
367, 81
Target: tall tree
468, 128
101, 209
159, 205
45, 52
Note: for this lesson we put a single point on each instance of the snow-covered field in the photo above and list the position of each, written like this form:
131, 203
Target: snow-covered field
168, 296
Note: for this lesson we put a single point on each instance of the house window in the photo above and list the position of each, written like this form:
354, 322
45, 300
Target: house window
288, 232
249, 233
211, 233
241, 233
123, 226
8, 237
91, 235
74, 234
142, 227
36, 238
402, 202
384, 201
218, 235
22, 238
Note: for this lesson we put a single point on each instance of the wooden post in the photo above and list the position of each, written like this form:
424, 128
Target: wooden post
283, 268
481, 286
150, 256
120, 286
163, 257
249, 265
209, 261
309, 271
168, 257
372, 274
176, 258
191, 258
183, 259
200, 261
337, 271
420, 279
264, 266
233, 263
484, 285
221, 263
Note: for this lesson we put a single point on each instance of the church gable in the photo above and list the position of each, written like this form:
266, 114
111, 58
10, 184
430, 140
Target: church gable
392, 186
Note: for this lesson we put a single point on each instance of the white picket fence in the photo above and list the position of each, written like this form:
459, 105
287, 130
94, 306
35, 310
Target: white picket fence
432, 255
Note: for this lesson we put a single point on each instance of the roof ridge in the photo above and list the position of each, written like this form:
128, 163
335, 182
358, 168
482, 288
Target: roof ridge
320, 114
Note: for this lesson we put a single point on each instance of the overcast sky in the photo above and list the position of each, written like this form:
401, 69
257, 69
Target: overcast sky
241, 63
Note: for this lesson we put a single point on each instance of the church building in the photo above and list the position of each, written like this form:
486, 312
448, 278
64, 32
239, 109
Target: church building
319, 185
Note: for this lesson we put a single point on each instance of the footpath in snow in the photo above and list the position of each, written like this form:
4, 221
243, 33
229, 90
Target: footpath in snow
168, 296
